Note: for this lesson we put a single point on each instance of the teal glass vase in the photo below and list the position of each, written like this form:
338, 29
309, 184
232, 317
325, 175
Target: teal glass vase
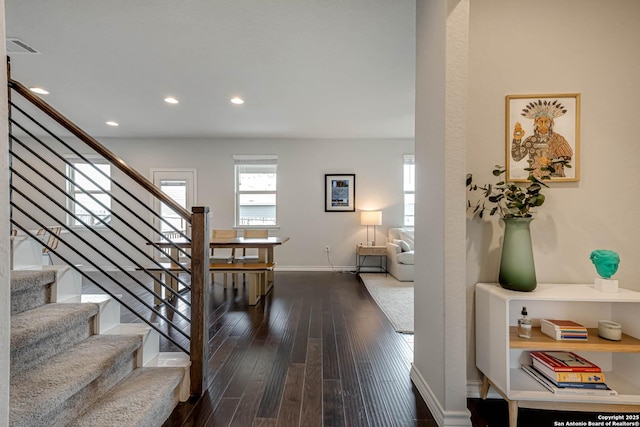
517, 269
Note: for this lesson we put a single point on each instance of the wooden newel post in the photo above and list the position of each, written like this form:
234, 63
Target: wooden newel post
200, 290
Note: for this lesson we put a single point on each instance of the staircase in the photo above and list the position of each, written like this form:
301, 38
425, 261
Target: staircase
74, 364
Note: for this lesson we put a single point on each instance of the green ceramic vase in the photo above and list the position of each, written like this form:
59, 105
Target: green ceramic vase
517, 270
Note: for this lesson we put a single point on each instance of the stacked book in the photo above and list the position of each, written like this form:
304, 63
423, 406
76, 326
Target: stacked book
563, 329
564, 372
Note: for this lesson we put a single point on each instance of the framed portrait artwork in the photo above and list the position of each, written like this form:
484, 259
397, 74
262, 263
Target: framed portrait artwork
339, 193
543, 131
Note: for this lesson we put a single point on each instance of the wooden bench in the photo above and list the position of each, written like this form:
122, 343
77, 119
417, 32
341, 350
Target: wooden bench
259, 285
161, 276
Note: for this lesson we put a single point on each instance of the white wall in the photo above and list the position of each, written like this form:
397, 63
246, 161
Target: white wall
378, 165
545, 47
5, 290
441, 94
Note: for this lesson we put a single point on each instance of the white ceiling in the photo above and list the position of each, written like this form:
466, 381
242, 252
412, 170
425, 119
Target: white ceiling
307, 68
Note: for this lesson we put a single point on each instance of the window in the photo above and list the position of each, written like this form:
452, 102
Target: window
255, 190
179, 184
409, 190
177, 190
90, 185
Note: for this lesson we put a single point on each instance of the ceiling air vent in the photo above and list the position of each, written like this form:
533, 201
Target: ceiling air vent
18, 46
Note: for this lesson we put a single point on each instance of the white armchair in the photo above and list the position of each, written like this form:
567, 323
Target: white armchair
400, 253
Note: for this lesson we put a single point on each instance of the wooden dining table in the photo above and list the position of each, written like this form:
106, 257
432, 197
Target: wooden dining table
267, 243
264, 245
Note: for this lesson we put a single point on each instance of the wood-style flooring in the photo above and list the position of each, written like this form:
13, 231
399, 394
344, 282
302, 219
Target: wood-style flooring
494, 413
317, 351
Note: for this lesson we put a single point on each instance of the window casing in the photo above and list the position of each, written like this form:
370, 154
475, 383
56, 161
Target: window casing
409, 190
180, 185
90, 187
255, 190
177, 190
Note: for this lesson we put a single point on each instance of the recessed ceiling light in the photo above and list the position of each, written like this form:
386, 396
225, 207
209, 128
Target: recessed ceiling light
170, 100
39, 90
112, 123
237, 100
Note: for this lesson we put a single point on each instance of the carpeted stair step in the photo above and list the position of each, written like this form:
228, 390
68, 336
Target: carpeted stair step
145, 398
39, 334
30, 289
59, 389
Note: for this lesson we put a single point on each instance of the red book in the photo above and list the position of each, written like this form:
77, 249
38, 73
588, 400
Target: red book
564, 361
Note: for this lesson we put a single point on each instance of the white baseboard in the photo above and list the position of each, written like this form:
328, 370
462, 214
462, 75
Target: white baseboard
474, 387
336, 269
442, 417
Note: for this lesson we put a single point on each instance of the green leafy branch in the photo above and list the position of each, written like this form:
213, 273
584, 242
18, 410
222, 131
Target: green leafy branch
508, 199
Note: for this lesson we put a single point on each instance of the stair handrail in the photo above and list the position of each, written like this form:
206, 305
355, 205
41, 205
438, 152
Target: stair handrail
198, 219
99, 148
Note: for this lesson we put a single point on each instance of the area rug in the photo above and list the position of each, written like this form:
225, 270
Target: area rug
395, 298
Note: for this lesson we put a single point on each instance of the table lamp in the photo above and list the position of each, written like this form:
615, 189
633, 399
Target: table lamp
371, 218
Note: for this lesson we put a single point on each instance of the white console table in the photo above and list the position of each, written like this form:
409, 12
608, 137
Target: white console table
500, 352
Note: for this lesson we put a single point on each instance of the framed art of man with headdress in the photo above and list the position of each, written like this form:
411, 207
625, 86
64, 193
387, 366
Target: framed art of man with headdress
543, 133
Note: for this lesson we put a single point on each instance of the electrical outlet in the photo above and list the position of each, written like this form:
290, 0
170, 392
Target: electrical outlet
327, 249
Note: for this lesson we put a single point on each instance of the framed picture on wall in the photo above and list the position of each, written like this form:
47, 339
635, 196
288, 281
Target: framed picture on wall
339, 193
543, 131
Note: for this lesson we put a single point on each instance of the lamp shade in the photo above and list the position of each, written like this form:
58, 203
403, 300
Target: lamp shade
371, 217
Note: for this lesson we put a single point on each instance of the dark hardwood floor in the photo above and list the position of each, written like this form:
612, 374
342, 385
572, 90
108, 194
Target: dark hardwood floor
494, 413
316, 352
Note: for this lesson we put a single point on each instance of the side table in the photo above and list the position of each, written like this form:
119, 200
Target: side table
362, 252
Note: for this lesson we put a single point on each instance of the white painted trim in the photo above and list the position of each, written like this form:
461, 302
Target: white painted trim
193, 181
255, 157
342, 269
188, 174
5, 243
442, 417
474, 387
